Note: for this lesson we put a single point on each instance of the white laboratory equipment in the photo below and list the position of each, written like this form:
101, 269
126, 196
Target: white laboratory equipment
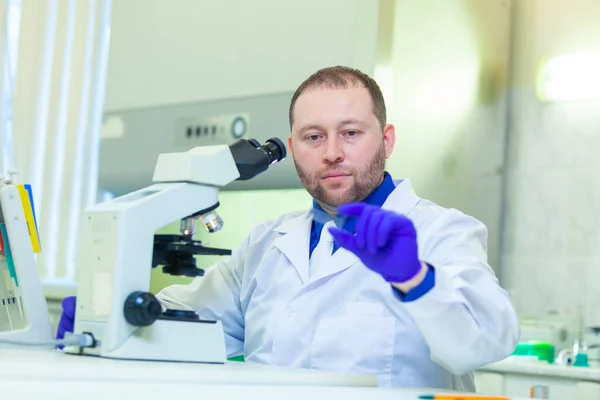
118, 248
24, 316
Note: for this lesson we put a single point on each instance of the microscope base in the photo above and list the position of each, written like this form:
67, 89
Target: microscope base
172, 340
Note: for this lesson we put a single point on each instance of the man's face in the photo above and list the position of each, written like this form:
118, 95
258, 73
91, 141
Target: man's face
337, 144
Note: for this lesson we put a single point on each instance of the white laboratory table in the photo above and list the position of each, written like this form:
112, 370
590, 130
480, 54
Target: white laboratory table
53, 375
36, 365
545, 369
512, 377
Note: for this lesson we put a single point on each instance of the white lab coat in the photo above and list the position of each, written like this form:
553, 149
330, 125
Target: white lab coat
345, 317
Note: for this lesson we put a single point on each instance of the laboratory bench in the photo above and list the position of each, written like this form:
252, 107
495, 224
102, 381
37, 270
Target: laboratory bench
53, 375
511, 377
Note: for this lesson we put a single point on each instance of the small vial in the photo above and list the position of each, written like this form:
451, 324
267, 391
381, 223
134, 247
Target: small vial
538, 392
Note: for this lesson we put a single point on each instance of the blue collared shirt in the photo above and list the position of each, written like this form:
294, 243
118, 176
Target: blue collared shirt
377, 197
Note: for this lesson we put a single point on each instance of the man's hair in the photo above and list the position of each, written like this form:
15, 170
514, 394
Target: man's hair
341, 77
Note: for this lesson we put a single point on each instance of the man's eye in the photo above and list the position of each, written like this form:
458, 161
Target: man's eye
351, 133
313, 137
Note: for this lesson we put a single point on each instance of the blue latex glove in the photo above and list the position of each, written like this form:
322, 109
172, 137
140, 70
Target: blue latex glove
385, 241
67, 319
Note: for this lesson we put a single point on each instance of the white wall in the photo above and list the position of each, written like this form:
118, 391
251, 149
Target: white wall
551, 256
165, 52
450, 64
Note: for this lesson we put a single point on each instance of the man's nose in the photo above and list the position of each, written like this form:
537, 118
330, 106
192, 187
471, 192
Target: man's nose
334, 149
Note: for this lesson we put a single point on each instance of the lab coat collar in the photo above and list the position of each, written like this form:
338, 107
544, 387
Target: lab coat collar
294, 241
403, 199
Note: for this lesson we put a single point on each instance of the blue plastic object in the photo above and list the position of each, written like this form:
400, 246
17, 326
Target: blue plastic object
581, 360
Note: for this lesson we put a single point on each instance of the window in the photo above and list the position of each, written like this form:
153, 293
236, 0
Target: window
58, 117
8, 68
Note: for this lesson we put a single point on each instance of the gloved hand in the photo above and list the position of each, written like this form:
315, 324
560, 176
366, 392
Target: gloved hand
385, 241
67, 319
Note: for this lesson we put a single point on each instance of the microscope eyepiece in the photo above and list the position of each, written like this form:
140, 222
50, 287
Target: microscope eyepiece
252, 158
254, 143
275, 150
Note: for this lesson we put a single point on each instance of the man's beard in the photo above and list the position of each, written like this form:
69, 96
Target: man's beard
365, 181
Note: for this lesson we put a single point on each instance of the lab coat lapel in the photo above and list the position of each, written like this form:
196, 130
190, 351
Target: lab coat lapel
340, 261
294, 242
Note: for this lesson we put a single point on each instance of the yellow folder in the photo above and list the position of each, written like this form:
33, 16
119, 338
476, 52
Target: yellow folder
27, 201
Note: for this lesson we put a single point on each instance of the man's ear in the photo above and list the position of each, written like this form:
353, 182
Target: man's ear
389, 139
290, 148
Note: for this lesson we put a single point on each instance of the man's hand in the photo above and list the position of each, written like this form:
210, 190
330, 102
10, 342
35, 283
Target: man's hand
385, 242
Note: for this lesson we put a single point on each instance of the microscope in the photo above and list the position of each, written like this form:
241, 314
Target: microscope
118, 247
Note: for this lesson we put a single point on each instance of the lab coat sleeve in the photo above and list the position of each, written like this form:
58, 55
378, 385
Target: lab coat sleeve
216, 296
467, 318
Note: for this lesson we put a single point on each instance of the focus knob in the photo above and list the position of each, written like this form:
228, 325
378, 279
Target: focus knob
142, 309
